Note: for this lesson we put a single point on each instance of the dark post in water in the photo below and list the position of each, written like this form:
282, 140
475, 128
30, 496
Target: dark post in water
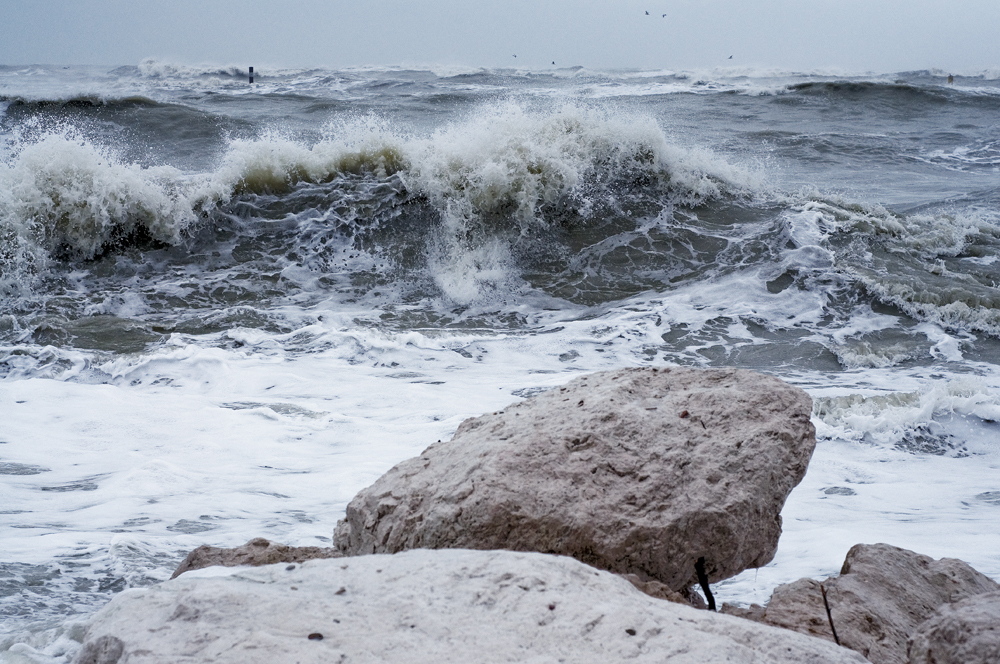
251, 74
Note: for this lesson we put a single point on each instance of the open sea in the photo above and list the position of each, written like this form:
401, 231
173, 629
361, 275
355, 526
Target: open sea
225, 308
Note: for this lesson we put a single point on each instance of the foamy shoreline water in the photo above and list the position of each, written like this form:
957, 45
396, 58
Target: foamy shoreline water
305, 445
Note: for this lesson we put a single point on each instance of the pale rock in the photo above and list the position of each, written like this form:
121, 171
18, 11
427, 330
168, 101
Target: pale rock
434, 607
637, 471
966, 632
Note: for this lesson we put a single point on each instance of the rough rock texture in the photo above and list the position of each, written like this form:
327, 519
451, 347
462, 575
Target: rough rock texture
966, 632
640, 471
260, 551
754, 612
257, 551
434, 607
882, 594
102, 650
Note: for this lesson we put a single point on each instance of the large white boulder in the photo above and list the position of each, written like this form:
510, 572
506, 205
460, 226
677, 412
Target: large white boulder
637, 471
428, 606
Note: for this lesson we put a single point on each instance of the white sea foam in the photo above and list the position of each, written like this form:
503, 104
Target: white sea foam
885, 418
151, 452
925, 304
498, 157
914, 276
511, 162
274, 163
63, 193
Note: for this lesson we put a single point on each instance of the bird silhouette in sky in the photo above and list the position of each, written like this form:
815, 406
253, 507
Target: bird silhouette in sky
647, 13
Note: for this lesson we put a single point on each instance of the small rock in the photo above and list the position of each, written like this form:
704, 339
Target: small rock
256, 552
685, 596
753, 612
102, 650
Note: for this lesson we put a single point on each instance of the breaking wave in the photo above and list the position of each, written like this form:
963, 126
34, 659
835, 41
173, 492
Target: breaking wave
924, 421
599, 202
65, 196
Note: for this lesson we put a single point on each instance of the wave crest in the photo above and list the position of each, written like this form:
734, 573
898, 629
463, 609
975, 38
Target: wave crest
64, 195
490, 180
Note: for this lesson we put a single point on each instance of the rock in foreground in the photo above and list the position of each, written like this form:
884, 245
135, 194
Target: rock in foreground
966, 632
429, 606
640, 471
256, 552
882, 594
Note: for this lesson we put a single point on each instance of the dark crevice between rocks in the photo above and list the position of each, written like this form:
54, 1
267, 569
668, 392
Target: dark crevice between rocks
829, 616
699, 568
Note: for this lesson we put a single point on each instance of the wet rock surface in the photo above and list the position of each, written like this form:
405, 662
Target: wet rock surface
637, 471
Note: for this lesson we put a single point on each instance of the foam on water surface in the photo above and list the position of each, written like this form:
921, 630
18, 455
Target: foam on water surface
197, 444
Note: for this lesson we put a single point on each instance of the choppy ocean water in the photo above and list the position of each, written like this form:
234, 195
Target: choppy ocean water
225, 308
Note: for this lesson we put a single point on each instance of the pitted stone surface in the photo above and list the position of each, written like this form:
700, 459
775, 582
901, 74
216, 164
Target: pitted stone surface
882, 594
966, 632
640, 471
432, 607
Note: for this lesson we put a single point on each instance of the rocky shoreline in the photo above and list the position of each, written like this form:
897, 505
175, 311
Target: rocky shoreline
553, 531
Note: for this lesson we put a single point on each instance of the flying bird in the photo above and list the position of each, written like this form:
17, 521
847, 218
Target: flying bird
730, 57
647, 13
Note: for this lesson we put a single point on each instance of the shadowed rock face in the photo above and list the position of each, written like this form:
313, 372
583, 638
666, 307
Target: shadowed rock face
429, 607
882, 594
637, 471
966, 632
256, 552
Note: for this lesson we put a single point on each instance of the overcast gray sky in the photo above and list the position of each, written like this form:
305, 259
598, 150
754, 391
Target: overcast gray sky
801, 35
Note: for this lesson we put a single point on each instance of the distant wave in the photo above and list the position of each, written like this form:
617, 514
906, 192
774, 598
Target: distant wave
80, 101
150, 68
151, 76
